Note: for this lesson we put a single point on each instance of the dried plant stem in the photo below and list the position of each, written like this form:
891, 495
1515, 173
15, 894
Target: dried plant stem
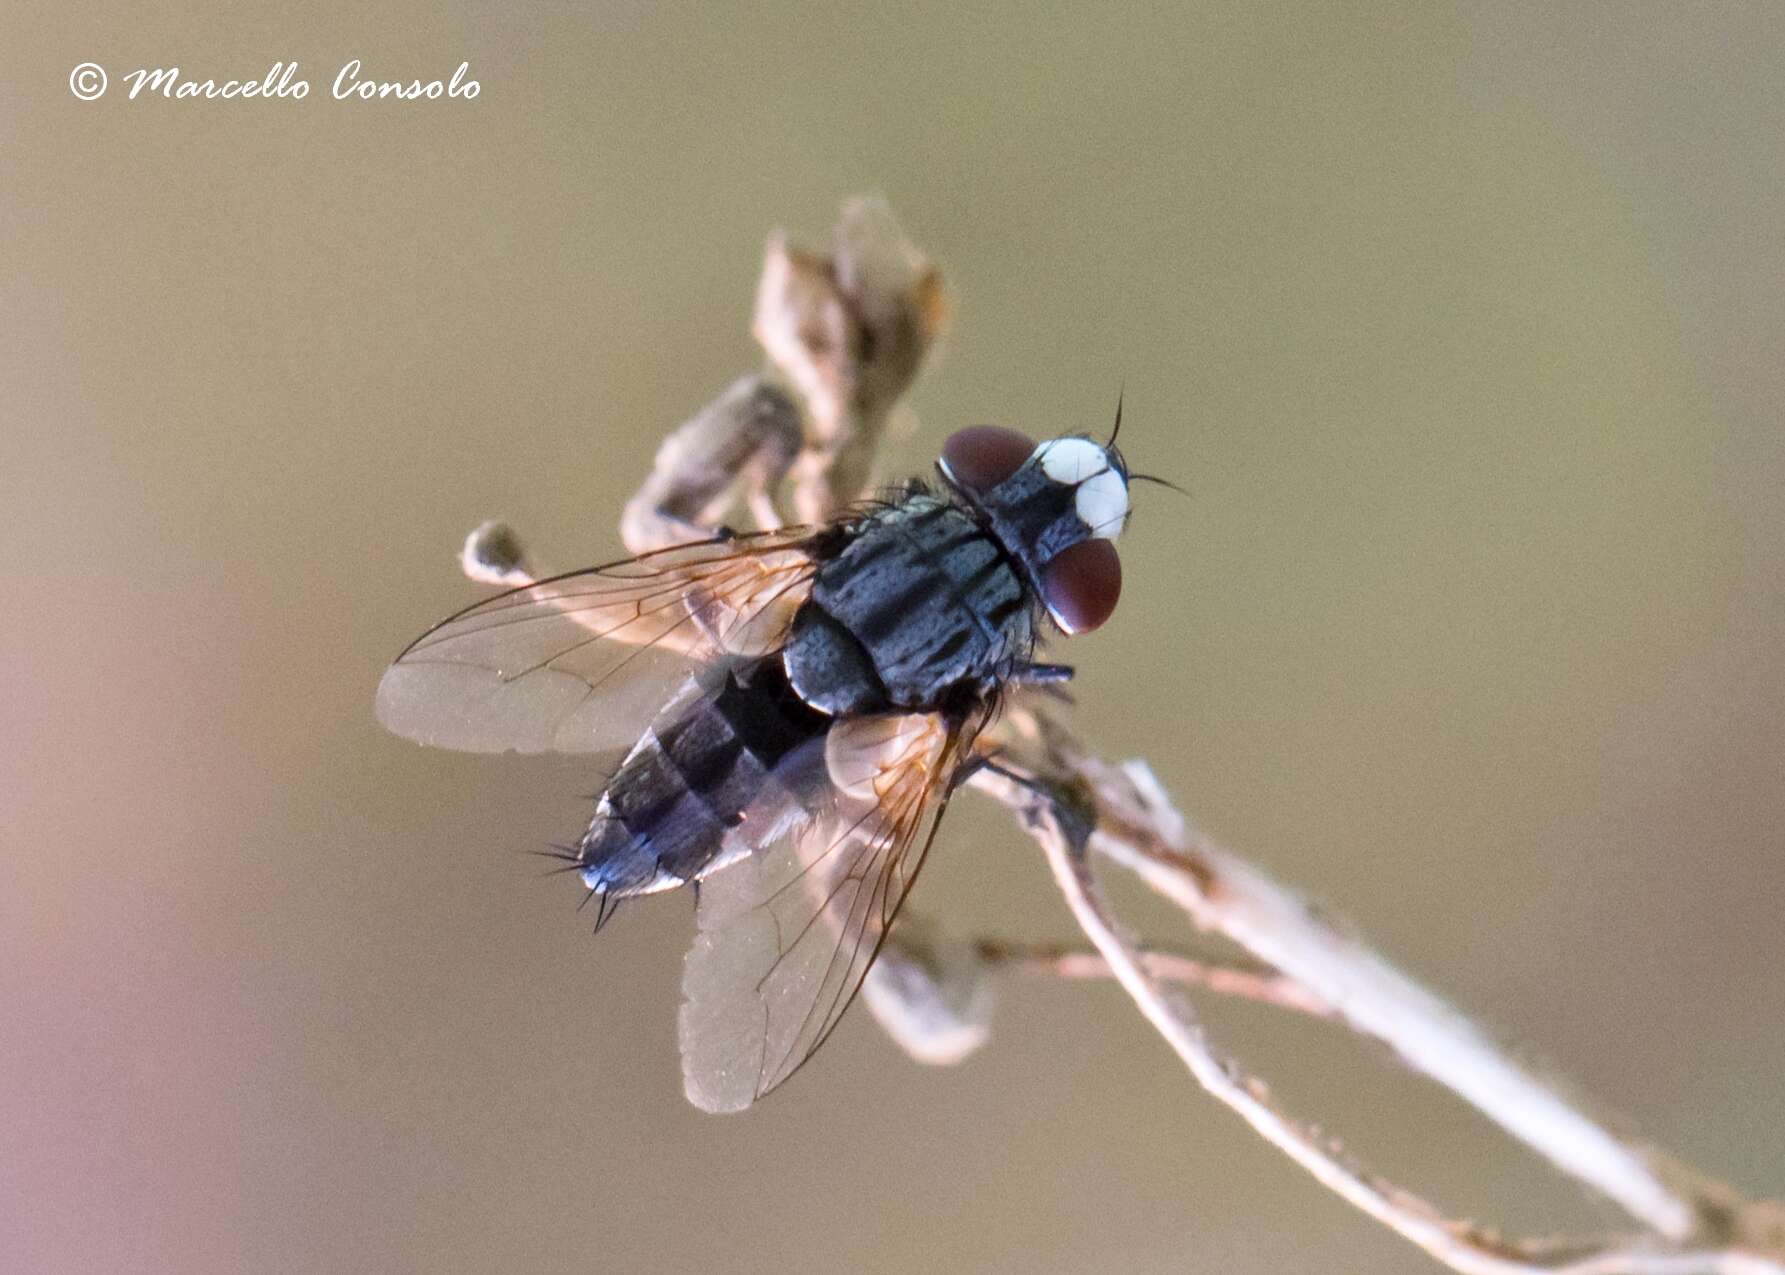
1614, 1168
1377, 1000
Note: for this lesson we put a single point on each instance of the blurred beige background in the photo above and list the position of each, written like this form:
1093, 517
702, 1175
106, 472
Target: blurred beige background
1463, 325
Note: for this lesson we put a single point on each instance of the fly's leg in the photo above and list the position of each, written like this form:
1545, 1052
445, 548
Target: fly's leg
1030, 674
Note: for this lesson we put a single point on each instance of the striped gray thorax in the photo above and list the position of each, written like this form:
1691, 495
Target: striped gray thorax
921, 601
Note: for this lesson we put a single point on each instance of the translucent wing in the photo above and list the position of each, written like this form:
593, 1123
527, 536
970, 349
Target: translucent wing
785, 936
581, 662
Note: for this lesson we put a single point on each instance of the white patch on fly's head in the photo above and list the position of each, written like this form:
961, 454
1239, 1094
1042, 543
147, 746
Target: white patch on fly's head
1102, 499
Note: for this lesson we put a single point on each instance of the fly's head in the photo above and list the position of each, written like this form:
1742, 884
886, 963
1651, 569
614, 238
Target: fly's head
1056, 507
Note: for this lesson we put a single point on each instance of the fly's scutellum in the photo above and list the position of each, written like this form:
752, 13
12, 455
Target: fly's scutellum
795, 707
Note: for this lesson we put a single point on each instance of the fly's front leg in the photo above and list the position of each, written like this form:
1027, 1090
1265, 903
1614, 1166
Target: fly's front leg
737, 449
1047, 680
1030, 674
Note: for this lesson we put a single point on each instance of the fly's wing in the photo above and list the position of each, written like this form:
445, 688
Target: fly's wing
581, 662
785, 936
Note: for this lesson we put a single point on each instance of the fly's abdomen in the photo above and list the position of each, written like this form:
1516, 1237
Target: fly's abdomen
664, 818
922, 599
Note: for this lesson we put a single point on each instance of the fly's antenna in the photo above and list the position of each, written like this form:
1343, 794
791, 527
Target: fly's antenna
1110, 447
1158, 481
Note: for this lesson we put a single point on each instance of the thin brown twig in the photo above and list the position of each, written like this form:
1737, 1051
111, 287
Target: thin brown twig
1248, 981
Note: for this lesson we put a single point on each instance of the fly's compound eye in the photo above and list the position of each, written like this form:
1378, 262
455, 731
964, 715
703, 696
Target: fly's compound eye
1081, 585
982, 456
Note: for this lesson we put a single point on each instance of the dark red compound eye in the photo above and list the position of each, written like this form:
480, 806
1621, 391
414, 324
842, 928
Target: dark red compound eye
1082, 584
982, 456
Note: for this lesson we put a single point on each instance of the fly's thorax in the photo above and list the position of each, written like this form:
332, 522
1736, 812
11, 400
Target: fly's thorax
921, 601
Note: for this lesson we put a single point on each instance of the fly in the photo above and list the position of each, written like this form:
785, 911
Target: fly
794, 708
